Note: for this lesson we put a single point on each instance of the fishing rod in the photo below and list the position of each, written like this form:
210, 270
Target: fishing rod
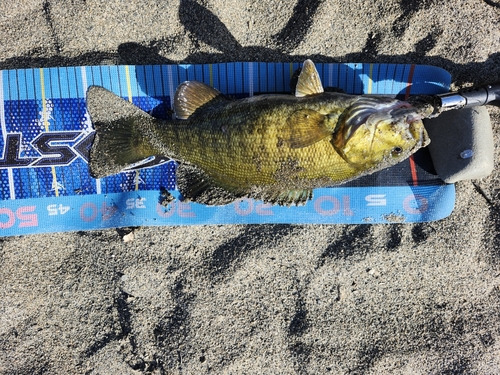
467, 98
470, 97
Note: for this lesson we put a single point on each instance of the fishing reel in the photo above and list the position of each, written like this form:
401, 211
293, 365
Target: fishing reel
459, 127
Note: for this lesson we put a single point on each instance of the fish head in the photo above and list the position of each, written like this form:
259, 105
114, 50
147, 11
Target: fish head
377, 132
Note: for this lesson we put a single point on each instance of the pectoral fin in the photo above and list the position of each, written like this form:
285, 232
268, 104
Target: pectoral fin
306, 127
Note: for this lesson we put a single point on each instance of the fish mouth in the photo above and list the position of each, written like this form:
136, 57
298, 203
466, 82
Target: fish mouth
369, 121
370, 111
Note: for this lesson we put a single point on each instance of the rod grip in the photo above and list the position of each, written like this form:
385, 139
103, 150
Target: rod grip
471, 97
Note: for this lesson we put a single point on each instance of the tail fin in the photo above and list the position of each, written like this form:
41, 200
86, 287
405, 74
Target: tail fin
123, 133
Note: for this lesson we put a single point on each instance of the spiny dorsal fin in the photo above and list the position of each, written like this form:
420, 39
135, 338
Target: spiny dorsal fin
309, 82
306, 127
190, 96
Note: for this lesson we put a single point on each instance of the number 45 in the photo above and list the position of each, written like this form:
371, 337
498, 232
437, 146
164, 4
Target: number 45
57, 210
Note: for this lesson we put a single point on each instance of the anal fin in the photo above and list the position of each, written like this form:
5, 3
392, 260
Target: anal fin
293, 197
296, 197
196, 186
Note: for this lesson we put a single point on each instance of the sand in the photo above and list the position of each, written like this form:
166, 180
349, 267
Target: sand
259, 299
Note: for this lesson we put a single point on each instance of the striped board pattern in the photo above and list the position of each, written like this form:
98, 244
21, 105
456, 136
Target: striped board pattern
46, 135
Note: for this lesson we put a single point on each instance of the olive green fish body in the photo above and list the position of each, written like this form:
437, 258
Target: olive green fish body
249, 143
271, 147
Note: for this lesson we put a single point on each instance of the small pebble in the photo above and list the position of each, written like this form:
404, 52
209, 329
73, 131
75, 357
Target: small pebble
466, 154
128, 237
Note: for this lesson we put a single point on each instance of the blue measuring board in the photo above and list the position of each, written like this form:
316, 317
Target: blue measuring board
46, 135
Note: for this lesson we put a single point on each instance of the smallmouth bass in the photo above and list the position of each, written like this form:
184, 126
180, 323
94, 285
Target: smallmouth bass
275, 148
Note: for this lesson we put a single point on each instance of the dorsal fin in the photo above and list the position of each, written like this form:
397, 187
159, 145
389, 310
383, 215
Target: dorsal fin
309, 82
190, 96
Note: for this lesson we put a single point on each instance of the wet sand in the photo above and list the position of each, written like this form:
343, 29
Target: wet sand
259, 299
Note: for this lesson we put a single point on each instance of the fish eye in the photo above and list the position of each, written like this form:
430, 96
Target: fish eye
396, 151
